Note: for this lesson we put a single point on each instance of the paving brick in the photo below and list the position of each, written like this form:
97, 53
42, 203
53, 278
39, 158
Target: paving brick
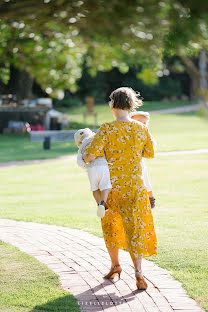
183, 305
184, 310
81, 260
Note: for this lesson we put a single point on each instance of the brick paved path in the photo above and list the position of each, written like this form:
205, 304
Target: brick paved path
80, 259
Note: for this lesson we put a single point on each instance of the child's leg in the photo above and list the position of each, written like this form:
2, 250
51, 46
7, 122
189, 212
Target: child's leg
105, 187
102, 203
104, 195
97, 196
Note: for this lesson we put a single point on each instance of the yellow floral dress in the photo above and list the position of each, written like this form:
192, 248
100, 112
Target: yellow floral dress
128, 222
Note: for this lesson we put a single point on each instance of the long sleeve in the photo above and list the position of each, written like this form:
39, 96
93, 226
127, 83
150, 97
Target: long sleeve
80, 161
148, 150
98, 142
145, 176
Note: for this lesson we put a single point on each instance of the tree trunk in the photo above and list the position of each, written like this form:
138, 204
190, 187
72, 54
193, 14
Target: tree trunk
20, 83
194, 74
194, 87
203, 78
199, 77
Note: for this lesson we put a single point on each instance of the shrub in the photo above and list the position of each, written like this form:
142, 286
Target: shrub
72, 101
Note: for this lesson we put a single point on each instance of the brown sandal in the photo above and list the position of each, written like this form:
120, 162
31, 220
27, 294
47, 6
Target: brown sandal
140, 281
114, 270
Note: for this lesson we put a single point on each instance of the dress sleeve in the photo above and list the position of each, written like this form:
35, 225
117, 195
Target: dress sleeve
148, 150
98, 142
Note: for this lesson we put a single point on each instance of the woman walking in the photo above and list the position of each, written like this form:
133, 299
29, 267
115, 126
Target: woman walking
128, 222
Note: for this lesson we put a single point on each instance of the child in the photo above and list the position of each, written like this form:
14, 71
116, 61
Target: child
144, 117
98, 172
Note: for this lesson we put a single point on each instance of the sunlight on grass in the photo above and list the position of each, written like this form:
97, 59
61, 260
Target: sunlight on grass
27, 285
58, 193
172, 132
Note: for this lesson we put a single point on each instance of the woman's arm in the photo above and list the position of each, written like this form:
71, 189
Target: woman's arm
96, 147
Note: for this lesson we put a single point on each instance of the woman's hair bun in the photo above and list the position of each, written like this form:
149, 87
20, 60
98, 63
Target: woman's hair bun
125, 98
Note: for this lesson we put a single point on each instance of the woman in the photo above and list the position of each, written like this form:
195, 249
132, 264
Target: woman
128, 222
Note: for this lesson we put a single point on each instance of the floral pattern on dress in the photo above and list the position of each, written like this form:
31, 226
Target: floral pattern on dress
128, 222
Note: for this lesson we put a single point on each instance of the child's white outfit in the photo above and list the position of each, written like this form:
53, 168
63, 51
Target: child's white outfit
145, 176
97, 169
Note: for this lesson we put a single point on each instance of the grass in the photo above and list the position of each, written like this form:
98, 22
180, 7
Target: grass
186, 131
177, 132
26, 285
104, 113
147, 106
50, 193
19, 147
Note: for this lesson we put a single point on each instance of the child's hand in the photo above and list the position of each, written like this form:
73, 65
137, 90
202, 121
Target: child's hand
152, 202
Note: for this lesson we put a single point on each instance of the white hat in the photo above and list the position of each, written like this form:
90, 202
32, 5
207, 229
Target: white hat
81, 134
140, 113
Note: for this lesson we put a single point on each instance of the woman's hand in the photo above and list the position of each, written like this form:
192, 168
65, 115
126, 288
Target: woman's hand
88, 157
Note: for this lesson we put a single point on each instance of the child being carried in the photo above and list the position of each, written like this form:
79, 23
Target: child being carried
97, 169
144, 117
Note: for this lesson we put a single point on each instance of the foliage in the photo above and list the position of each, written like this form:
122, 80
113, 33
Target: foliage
54, 62
4, 74
148, 76
69, 101
104, 83
52, 40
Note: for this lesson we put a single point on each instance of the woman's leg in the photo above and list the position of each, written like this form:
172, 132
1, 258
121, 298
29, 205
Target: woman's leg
113, 253
115, 266
138, 264
140, 281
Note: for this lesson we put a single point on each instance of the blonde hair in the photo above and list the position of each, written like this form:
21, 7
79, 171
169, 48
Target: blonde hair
140, 113
81, 134
125, 98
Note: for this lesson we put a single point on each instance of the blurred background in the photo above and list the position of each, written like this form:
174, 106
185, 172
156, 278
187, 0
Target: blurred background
56, 55
59, 62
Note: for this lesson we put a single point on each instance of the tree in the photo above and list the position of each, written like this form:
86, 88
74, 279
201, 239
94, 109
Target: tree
50, 40
188, 38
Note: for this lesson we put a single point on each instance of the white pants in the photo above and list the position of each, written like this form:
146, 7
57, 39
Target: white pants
99, 177
145, 176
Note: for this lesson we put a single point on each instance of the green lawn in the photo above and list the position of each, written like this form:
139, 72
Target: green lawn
177, 132
148, 106
104, 113
26, 285
19, 147
171, 131
50, 193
